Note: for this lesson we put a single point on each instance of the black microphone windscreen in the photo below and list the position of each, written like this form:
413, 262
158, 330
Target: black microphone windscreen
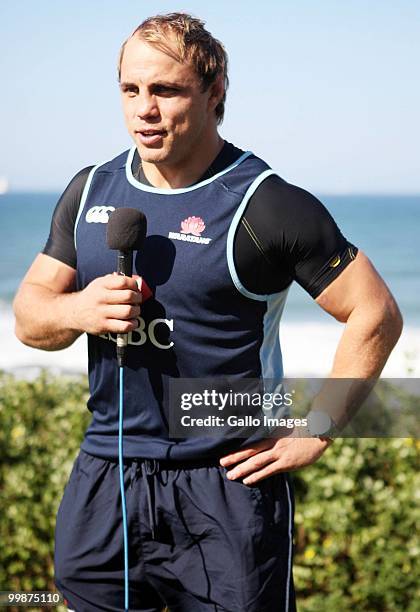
126, 229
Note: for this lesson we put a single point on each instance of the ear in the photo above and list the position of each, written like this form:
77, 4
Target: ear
216, 92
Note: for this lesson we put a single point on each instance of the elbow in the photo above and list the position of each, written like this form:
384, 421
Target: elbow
388, 322
21, 325
21, 335
379, 318
394, 321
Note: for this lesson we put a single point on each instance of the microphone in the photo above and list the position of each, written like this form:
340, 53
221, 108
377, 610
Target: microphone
125, 233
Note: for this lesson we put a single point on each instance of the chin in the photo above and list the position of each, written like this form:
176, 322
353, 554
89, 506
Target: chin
156, 156
153, 157
151, 154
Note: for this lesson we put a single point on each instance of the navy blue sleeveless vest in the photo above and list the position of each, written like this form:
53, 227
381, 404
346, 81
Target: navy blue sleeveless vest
200, 321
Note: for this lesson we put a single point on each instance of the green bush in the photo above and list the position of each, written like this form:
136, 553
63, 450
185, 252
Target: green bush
357, 521
41, 427
356, 508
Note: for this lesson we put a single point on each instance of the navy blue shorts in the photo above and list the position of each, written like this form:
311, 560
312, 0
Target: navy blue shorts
198, 542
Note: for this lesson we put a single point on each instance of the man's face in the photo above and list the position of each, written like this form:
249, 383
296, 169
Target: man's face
166, 113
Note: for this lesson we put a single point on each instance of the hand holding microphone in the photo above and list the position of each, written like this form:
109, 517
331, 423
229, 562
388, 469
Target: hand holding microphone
111, 303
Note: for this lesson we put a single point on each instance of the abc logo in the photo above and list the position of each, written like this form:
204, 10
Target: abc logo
140, 335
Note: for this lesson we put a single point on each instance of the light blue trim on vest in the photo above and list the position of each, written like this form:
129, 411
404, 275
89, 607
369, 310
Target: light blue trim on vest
271, 358
84, 198
270, 351
150, 189
231, 237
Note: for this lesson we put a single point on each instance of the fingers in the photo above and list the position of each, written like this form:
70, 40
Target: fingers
287, 455
109, 303
246, 453
118, 281
270, 470
251, 465
122, 296
116, 326
121, 311
122, 300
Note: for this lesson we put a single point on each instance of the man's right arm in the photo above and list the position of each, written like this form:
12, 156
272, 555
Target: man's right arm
44, 304
50, 314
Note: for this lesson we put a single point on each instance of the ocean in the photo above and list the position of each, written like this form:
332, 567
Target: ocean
386, 228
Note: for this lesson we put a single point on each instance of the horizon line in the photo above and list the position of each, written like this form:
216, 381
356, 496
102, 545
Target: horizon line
321, 192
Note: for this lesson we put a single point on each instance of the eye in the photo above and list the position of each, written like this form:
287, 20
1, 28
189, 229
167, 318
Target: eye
164, 90
130, 91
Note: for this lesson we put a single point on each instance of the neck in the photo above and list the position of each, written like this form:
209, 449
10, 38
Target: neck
186, 172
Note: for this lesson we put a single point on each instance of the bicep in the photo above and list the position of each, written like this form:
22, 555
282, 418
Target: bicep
51, 274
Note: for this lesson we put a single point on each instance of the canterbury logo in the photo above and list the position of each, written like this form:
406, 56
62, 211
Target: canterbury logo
99, 214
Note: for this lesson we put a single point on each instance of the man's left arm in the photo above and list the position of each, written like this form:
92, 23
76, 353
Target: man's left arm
360, 298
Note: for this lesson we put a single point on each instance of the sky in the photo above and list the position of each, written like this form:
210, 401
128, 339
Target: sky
326, 92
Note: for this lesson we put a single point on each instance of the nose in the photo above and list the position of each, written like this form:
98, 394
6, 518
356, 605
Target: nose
146, 105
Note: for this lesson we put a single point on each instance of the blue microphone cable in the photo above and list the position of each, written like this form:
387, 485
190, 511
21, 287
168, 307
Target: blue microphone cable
125, 233
121, 470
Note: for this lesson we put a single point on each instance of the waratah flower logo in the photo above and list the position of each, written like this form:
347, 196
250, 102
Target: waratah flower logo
193, 225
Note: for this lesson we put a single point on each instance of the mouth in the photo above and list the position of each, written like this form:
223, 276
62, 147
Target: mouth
150, 137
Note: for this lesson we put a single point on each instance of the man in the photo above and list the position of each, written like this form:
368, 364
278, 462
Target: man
210, 520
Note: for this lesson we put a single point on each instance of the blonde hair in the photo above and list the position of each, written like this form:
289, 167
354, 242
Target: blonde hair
192, 43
